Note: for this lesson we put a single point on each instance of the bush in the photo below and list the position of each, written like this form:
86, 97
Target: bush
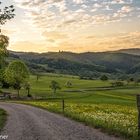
117, 84
5, 85
29, 95
104, 78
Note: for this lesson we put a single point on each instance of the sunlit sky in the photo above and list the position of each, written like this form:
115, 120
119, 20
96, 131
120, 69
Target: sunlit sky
73, 25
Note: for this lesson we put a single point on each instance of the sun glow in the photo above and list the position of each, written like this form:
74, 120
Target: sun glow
77, 25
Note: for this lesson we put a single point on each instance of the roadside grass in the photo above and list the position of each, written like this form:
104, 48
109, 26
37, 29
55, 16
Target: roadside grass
3, 117
114, 119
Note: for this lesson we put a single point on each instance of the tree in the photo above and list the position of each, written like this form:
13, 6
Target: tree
6, 13
38, 76
16, 74
117, 84
130, 80
54, 86
4, 42
137, 81
28, 87
68, 84
104, 78
3, 83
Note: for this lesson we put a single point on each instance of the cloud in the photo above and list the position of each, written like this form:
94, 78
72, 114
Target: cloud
78, 1
23, 45
59, 22
122, 41
54, 35
8, 32
96, 5
126, 9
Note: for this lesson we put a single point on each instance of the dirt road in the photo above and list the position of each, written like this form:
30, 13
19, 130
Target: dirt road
30, 123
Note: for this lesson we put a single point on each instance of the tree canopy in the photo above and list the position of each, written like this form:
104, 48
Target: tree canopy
104, 78
16, 74
6, 13
54, 86
4, 42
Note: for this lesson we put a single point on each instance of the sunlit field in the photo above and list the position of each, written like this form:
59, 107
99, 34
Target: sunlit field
114, 119
93, 102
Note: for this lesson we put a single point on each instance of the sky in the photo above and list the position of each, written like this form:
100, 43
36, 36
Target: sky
73, 25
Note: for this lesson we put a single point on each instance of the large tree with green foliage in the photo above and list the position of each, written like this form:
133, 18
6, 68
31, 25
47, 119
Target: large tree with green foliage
6, 13
16, 74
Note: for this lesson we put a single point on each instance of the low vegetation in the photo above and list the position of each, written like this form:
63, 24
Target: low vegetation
3, 116
115, 119
94, 102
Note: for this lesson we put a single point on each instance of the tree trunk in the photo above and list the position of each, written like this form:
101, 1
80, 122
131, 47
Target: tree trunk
18, 93
28, 92
54, 91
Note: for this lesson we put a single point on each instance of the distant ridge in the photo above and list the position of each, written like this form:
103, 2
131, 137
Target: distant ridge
133, 51
92, 64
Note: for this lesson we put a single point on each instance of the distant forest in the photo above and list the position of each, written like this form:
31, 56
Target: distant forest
90, 65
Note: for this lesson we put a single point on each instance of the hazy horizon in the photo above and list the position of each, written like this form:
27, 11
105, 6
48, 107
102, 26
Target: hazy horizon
73, 26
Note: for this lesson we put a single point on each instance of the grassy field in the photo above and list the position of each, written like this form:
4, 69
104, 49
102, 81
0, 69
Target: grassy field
3, 117
93, 102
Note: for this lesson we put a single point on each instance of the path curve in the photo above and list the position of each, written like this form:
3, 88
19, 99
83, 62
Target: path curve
31, 123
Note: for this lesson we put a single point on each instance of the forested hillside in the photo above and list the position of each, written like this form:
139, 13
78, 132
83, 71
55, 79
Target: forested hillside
82, 64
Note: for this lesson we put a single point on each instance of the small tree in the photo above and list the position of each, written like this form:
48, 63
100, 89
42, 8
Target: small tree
16, 74
54, 86
38, 76
68, 84
28, 87
104, 78
117, 84
137, 81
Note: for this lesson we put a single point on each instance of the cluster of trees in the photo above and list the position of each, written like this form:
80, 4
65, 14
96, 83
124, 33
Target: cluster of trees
55, 86
16, 74
134, 80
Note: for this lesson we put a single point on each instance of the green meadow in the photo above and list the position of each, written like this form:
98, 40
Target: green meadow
93, 102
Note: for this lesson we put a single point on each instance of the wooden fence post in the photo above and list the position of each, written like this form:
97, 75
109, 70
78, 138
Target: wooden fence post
63, 105
138, 106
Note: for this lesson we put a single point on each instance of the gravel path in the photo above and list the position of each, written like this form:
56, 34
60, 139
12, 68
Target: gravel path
30, 123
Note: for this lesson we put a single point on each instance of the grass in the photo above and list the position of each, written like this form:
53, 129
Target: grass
3, 116
92, 102
114, 119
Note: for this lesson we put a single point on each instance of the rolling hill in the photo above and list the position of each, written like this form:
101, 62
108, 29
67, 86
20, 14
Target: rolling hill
135, 51
87, 64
